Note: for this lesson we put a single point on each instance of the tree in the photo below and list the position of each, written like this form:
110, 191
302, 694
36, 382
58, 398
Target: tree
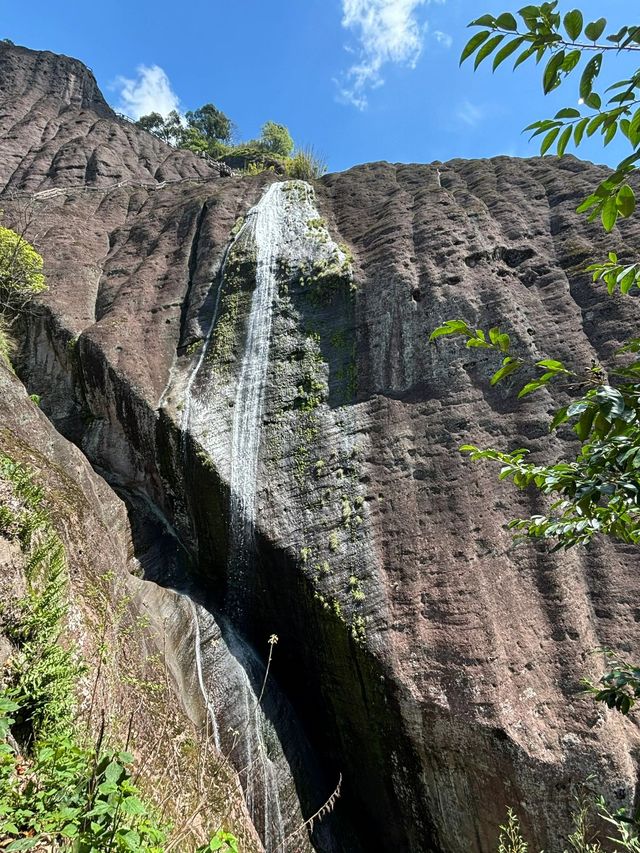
153, 123
276, 139
169, 129
598, 491
21, 275
211, 123
193, 140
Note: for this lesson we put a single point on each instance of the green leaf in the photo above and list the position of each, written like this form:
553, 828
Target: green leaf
610, 132
506, 21
529, 15
625, 201
487, 48
530, 387
548, 141
552, 364
627, 281
509, 366
573, 22
564, 140
571, 60
559, 418
594, 101
451, 327
132, 806
568, 112
473, 43
484, 21
591, 71
583, 426
550, 78
506, 51
609, 213
526, 54
594, 30
578, 131
595, 123
113, 771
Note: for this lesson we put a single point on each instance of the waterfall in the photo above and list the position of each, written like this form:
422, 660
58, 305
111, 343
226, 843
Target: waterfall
283, 226
211, 711
235, 696
266, 224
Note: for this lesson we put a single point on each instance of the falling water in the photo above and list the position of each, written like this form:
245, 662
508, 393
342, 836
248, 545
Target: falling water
235, 699
278, 228
211, 711
266, 222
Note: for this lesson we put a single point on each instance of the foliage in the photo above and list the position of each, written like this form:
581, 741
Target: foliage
511, 840
584, 838
618, 688
599, 491
82, 798
276, 139
256, 167
152, 123
306, 165
210, 123
21, 266
568, 45
169, 129
192, 140
55, 787
223, 841
208, 131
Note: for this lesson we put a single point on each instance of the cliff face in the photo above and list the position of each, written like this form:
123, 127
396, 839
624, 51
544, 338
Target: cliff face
121, 627
431, 662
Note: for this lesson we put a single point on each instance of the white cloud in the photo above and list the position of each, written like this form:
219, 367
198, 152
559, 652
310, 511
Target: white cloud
443, 38
470, 114
387, 31
149, 92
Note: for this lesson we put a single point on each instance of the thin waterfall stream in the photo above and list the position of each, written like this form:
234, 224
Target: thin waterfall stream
266, 222
275, 230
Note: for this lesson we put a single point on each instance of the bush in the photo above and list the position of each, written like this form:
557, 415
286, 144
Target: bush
306, 165
21, 273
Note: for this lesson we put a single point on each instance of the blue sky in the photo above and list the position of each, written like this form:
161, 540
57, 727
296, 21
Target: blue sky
360, 80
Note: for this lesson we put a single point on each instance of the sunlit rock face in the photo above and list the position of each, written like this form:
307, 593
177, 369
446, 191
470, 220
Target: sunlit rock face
430, 662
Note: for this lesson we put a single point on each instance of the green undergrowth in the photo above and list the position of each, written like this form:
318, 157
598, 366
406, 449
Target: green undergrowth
61, 788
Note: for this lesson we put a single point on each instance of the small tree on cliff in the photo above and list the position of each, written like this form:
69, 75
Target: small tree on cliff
21, 278
598, 491
21, 275
276, 139
169, 129
211, 123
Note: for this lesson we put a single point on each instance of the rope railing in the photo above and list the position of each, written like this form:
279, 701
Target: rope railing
54, 192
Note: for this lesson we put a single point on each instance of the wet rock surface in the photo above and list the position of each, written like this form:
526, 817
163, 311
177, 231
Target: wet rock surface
434, 664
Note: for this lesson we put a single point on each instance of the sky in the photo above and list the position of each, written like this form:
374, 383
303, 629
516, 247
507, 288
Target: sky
359, 80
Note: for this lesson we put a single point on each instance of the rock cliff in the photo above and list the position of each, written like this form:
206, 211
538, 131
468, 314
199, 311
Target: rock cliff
427, 660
